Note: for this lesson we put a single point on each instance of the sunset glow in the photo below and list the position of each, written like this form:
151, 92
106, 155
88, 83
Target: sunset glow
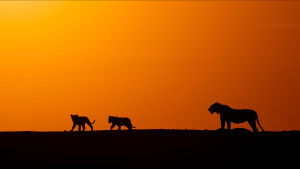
160, 63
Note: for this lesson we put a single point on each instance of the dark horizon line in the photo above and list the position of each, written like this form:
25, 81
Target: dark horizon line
105, 130
66, 131
155, 0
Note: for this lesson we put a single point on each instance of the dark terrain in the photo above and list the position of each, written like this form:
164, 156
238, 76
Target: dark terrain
238, 148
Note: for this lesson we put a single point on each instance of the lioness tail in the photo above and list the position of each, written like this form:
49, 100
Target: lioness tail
259, 124
93, 122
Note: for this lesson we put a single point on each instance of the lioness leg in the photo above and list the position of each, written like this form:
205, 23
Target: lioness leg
253, 125
79, 127
119, 127
222, 124
228, 125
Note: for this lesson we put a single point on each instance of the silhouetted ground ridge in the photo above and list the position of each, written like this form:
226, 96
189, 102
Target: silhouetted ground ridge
151, 149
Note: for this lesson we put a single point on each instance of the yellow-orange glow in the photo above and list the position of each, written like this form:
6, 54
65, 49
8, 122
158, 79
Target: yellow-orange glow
160, 63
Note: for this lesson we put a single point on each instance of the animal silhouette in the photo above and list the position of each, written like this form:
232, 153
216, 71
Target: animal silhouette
120, 121
229, 115
80, 121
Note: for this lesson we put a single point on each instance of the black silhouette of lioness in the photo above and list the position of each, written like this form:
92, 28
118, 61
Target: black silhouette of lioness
80, 121
120, 121
229, 115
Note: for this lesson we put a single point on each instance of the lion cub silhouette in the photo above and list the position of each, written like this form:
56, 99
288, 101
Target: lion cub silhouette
80, 121
120, 121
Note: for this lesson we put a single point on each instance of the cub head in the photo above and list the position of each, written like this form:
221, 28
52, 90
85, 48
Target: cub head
110, 119
214, 108
74, 116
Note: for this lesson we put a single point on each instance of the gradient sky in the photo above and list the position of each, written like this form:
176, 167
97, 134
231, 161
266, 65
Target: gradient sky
160, 63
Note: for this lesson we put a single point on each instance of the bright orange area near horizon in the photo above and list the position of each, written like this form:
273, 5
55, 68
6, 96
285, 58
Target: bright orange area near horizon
160, 63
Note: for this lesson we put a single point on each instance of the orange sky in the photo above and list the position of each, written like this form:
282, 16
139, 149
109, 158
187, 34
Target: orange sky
160, 63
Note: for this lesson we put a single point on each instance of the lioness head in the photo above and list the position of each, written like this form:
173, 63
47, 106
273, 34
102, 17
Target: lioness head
214, 108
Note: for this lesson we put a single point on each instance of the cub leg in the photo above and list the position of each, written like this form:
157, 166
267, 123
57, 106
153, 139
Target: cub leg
83, 127
112, 126
119, 127
90, 126
129, 127
74, 125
